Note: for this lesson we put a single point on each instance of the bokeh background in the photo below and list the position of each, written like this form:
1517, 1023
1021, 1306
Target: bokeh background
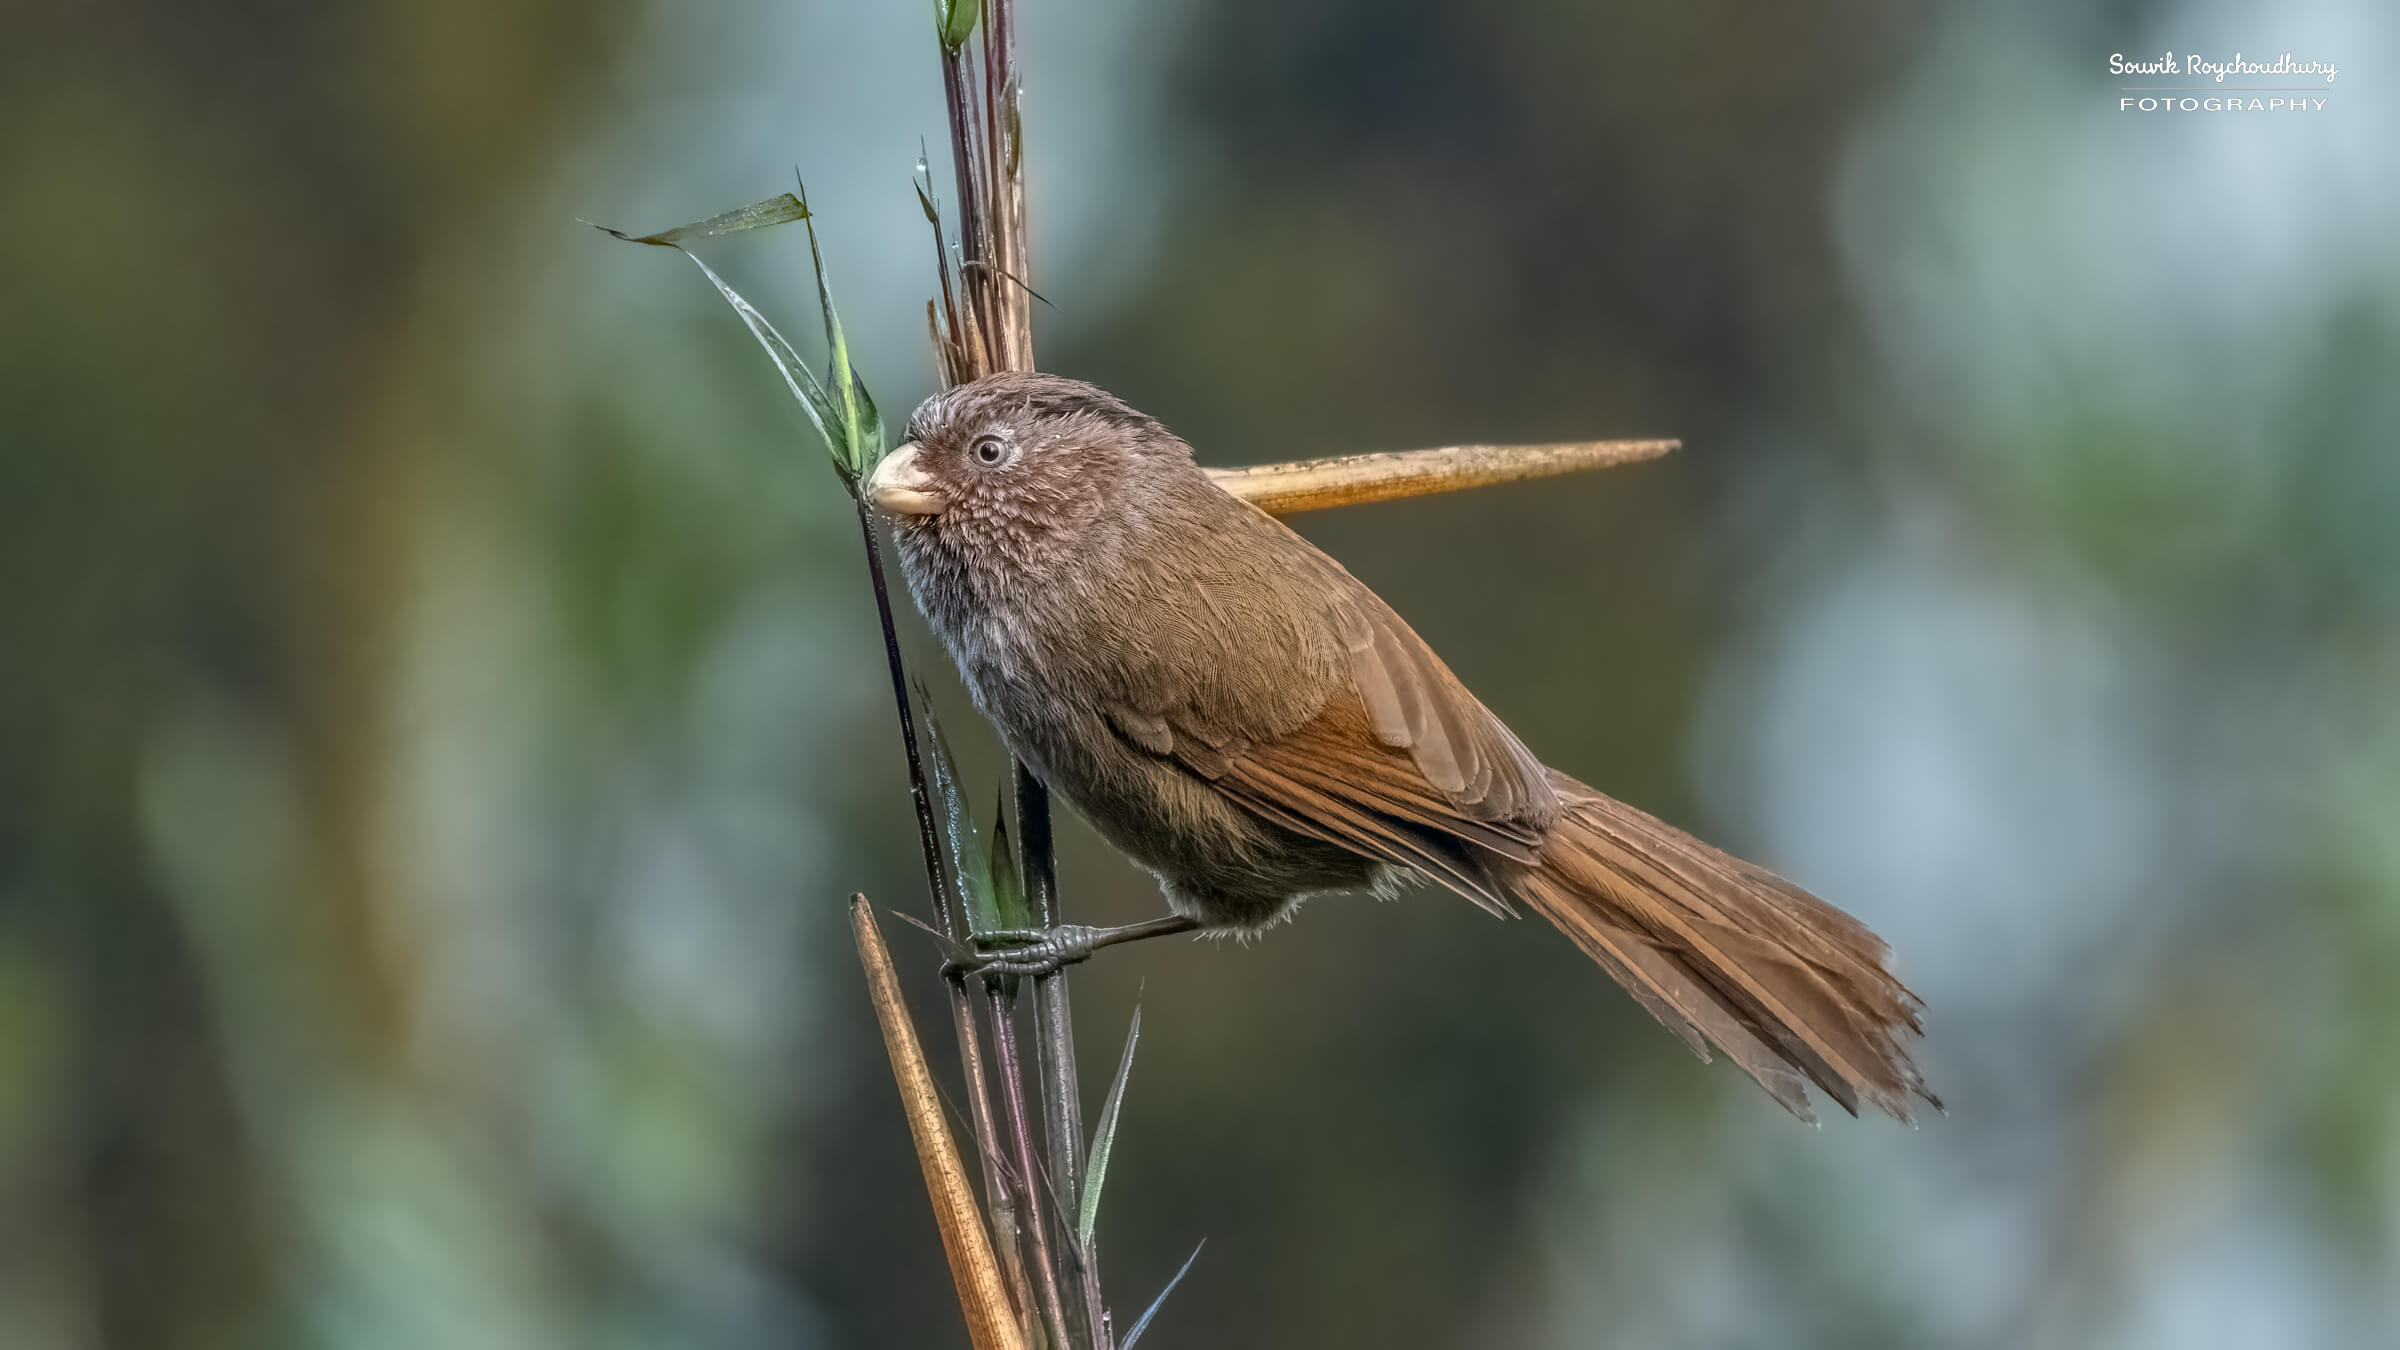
440, 711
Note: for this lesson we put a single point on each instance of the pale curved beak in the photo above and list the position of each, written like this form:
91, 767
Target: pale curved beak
901, 486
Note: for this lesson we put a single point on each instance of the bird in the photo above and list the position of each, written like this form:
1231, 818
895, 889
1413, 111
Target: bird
1234, 711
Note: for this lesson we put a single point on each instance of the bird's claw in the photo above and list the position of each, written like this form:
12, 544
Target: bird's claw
1024, 951
1007, 939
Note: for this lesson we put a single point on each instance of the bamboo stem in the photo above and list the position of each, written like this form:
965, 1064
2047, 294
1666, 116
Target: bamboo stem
928, 837
987, 154
962, 1016
1352, 480
1054, 1049
1005, 144
1054, 1027
1017, 1135
998, 1190
990, 1323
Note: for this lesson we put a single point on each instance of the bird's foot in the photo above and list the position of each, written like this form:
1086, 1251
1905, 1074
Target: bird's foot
1046, 951
1026, 951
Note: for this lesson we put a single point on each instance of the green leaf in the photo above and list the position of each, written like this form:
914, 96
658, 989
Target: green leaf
862, 426
954, 20
838, 407
781, 210
1008, 886
867, 433
973, 864
1143, 1324
1104, 1134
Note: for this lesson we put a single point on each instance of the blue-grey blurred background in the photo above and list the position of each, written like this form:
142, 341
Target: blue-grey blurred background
441, 714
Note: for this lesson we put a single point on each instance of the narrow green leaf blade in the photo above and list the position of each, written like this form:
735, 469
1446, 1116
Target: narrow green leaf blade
861, 443
973, 863
1104, 1135
839, 407
1143, 1324
1008, 886
778, 210
796, 375
871, 436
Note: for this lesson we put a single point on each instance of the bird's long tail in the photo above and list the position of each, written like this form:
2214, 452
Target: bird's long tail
1792, 989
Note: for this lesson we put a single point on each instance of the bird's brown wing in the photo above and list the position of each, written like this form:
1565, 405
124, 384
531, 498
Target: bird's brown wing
1397, 761
1331, 780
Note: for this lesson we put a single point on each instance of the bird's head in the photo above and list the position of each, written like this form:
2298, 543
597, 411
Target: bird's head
1021, 468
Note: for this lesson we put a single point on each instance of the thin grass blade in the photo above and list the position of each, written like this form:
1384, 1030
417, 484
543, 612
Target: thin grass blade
1104, 1135
862, 426
951, 950
974, 861
839, 407
1008, 885
778, 210
802, 381
1143, 1324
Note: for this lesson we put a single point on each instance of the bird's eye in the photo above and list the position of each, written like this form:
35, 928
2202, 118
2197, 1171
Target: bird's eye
989, 450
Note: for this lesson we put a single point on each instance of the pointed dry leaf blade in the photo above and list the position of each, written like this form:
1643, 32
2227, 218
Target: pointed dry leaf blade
1104, 1135
1143, 1324
1010, 277
982, 1296
951, 951
1347, 480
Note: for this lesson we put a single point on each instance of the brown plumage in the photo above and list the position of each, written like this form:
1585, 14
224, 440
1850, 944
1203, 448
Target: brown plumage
1245, 718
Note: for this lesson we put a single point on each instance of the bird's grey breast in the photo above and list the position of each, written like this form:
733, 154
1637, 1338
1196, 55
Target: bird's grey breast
1001, 625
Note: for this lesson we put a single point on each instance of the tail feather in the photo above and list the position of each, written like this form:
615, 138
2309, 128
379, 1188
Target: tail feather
1723, 952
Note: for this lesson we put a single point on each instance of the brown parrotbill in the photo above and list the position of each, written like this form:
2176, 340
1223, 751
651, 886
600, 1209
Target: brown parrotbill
1247, 720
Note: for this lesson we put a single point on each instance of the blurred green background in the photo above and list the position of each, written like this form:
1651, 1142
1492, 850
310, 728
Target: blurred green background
440, 712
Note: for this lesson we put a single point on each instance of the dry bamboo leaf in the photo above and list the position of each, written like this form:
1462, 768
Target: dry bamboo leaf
1351, 480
